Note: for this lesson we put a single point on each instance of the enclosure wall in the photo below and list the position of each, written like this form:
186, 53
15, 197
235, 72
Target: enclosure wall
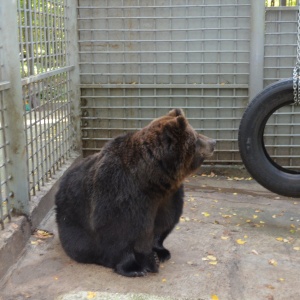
139, 59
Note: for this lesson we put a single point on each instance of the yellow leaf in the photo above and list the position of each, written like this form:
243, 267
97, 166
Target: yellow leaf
164, 280
224, 237
297, 248
235, 194
273, 262
261, 222
214, 297
241, 242
91, 295
213, 263
269, 286
211, 257
280, 279
255, 216
280, 239
226, 216
205, 214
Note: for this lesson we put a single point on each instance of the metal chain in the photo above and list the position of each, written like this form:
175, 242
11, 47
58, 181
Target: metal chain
296, 71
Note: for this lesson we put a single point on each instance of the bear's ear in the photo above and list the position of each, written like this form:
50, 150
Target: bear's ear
176, 112
182, 122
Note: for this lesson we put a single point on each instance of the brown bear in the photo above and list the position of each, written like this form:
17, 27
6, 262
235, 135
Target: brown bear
115, 208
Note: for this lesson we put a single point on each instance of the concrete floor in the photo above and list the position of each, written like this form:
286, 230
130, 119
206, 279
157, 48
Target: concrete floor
235, 241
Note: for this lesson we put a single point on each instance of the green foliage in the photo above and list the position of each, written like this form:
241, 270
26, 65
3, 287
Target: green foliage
270, 3
42, 35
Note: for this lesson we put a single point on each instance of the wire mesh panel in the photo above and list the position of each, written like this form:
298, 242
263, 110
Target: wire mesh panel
43, 45
5, 205
280, 43
141, 58
282, 136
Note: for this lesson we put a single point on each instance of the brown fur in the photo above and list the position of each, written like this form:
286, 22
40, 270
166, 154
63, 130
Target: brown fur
116, 207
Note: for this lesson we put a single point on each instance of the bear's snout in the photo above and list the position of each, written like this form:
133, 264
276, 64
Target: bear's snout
207, 146
212, 144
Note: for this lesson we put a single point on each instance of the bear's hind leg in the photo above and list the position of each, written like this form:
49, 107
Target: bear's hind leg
78, 244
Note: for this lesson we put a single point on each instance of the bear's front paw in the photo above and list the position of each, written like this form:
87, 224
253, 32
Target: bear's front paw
130, 267
162, 253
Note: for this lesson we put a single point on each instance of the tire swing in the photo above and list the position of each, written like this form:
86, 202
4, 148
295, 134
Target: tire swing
283, 180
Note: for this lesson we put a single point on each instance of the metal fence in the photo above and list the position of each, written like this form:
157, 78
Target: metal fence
137, 60
38, 94
140, 58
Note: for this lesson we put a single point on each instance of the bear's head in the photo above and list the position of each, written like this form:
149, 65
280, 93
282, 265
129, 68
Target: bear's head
171, 140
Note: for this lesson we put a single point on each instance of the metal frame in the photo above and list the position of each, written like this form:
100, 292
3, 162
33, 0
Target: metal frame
39, 106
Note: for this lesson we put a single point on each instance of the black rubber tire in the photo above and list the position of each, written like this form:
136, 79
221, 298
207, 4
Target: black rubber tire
251, 141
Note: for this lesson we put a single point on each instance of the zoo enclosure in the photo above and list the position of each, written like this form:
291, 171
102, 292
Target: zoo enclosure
133, 60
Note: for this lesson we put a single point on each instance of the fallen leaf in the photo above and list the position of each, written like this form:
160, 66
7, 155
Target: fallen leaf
224, 237
91, 295
213, 263
214, 297
42, 234
241, 242
296, 248
280, 239
254, 252
269, 286
255, 216
205, 214
280, 279
226, 216
273, 262
211, 257
164, 280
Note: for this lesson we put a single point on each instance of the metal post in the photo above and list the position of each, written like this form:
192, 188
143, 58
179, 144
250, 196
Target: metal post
257, 43
73, 60
17, 161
